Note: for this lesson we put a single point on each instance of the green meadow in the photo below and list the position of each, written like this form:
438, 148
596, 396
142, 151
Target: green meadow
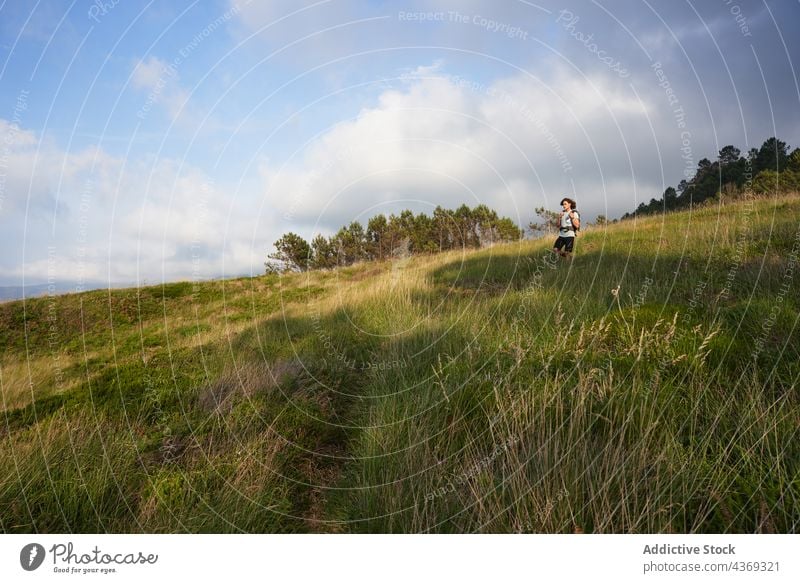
649, 385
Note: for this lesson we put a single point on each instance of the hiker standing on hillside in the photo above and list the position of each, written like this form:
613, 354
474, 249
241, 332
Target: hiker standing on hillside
568, 223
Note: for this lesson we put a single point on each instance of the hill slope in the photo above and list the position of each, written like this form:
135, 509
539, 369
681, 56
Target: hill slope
650, 385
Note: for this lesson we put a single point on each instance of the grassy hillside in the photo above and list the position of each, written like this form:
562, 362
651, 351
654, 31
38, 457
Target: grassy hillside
649, 385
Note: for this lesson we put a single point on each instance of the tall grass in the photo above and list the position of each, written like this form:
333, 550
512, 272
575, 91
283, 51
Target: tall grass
650, 385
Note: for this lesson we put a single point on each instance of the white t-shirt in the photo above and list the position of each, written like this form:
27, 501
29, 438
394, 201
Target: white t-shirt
566, 223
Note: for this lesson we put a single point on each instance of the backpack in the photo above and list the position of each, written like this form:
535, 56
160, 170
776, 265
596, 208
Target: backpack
574, 228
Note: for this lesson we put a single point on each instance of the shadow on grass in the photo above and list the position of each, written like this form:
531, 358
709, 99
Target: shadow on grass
340, 374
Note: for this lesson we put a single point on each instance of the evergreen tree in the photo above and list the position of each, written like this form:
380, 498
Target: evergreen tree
729, 155
350, 244
323, 253
670, 198
444, 224
293, 251
771, 156
403, 234
768, 168
378, 241
464, 233
507, 230
547, 223
423, 236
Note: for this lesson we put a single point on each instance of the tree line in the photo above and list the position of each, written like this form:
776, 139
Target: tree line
396, 235
765, 170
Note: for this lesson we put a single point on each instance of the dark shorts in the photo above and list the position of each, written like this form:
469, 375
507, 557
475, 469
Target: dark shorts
565, 242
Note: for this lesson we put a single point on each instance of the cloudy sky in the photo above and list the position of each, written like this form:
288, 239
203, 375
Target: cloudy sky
157, 141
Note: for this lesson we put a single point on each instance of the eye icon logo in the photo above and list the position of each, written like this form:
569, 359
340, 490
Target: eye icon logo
31, 556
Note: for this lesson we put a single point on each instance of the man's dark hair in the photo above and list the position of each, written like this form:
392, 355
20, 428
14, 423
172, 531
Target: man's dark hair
571, 202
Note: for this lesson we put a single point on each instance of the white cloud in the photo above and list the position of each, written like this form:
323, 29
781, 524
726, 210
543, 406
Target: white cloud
514, 144
120, 220
36, 172
148, 73
160, 81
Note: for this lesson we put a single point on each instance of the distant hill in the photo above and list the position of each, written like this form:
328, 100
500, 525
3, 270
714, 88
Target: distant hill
16, 292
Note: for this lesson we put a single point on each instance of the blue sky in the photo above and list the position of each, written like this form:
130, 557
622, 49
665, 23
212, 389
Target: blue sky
150, 141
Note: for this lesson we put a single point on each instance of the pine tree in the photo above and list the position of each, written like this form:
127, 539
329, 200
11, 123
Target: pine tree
293, 251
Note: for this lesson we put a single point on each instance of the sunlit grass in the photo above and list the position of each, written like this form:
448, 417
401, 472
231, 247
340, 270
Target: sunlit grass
494, 390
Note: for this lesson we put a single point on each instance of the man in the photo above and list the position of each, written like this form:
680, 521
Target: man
568, 223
